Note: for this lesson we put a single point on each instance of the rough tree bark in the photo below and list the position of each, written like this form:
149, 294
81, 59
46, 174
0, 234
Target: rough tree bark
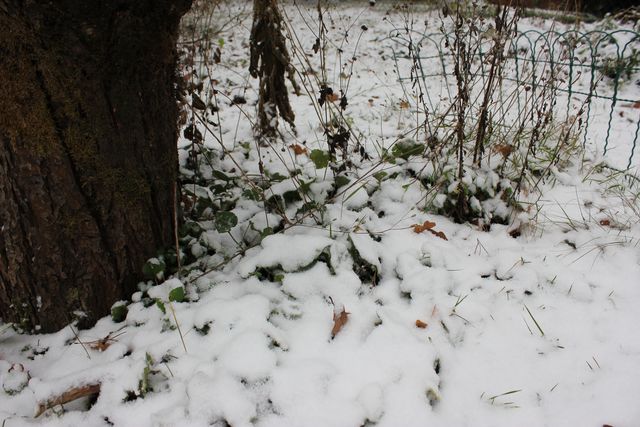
87, 152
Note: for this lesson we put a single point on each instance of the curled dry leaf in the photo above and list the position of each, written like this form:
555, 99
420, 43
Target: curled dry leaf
298, 149
504, 149
333, 97
420, 324
104, 343
339, 320
100, 345
428, 226
68, 396
439, 234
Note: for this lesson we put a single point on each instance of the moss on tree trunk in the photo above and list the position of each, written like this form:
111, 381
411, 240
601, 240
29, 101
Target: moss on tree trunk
87, 152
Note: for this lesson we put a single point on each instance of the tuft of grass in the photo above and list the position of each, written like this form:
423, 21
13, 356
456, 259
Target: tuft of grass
492, 399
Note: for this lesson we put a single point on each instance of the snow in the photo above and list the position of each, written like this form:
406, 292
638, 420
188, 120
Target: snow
538, 329
289, 252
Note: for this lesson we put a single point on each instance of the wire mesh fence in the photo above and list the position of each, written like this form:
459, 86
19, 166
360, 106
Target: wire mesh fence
594, 75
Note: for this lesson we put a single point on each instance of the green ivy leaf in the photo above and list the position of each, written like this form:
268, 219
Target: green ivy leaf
218, 189
276, 177
161, 306
305, 187
311, 206
153, 268
406, 149
291, 196
177, 294
119, 313
190, 228
268, 231
204, 330
379, 176
219, 175
319, 158
170, 257
275, 203
225, 221
341, 181
251, 194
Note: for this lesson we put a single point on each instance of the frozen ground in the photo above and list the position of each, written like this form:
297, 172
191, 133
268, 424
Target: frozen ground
480, 329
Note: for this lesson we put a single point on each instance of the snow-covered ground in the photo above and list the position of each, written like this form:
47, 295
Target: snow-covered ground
355, 317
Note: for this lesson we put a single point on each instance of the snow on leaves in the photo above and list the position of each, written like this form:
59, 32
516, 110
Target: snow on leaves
70, 395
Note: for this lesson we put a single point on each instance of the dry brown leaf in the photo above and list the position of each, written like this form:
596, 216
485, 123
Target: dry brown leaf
100, 345
420, 324
428, 226
298, 149
439, 234
68, 396
605, 222
504, 149
104, 343
339, 321
404, 105
333, 97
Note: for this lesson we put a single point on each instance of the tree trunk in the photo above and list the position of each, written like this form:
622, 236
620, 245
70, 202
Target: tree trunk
88, 158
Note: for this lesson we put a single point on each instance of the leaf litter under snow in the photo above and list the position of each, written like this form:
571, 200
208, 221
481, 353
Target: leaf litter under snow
546, 330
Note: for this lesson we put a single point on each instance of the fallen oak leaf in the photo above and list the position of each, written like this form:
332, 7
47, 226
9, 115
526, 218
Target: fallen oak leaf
100, 345
333, 97
70, 395
420, 324
104, 343
428, 226
339, 320
439, 234
298, 149
504, 149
